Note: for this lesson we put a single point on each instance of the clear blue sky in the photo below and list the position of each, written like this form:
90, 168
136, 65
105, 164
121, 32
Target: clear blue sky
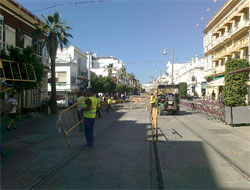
135, 31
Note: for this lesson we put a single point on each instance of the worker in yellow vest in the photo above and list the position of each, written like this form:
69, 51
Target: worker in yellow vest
89, 115
98, 108
152, 100
80, 105
109, 105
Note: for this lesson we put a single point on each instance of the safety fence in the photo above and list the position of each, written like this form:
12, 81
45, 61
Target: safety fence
212, 109
68, 120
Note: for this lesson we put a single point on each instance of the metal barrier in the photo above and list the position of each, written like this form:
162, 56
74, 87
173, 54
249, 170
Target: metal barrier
68, 120
15, 71
211, 109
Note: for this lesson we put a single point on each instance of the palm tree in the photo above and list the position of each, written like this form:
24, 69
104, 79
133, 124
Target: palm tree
131, 77
56, 34
121, 73
110, 69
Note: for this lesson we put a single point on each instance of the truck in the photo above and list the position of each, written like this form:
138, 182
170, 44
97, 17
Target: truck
168, 99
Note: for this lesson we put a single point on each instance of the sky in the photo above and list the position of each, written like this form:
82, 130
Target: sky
135, 31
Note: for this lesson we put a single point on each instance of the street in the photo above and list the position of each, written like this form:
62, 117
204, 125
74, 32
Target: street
193, 153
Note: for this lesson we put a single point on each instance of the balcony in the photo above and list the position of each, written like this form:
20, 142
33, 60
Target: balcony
239, 26
244, 24
42, 59
219, 70
208, 72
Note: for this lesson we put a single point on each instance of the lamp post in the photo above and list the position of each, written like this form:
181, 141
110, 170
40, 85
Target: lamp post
172, 61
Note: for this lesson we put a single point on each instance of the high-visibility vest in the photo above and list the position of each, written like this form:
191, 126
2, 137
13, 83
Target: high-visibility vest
109, 101
152, 99
98, 102
92, 112
80, 103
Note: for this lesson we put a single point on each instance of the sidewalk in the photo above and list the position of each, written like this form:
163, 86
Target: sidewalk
233, 143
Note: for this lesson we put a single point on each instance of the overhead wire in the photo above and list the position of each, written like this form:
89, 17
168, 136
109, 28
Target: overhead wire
68, 3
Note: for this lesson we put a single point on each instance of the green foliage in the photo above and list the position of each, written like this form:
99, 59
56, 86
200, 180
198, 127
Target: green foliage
235, 89
102, 84
27, 56
107, 85
182, 90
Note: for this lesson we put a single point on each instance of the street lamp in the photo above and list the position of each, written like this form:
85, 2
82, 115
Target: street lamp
172, 60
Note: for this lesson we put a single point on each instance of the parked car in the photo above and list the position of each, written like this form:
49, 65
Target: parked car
61, 103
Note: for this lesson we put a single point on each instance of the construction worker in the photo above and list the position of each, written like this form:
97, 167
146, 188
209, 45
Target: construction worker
98, 108
80, 105
89, 115
152, 100
109, 105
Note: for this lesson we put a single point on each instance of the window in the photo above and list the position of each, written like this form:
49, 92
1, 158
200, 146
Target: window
10, 36
73, 79
1, 30
61, 77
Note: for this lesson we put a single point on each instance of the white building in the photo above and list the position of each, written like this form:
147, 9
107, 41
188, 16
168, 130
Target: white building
98, 65
191, 72
71, 73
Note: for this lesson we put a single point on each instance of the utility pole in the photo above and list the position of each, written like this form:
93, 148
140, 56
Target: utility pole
88, 62
172, 60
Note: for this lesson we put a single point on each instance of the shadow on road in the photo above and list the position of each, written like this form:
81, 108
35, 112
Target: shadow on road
184, 165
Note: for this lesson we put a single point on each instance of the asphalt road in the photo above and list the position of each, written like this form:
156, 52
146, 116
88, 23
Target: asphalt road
192, 153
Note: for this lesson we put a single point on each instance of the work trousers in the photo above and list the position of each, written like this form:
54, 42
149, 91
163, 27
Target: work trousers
79, 114
109, 107
89, 130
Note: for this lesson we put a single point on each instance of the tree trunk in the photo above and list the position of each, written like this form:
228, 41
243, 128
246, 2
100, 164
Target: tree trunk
53, 86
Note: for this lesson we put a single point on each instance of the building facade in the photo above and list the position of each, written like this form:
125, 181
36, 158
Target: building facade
191, 72
226, 36
17, 26
71, 74
99, 66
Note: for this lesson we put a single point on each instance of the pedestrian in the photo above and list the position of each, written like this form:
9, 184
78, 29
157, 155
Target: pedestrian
43, 105
46, 105
89, 115
213, 95
71, 102
221, 97
12, 107
80, 105
109, 106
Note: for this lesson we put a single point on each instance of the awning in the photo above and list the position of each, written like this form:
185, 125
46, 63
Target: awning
82, 78
218, 82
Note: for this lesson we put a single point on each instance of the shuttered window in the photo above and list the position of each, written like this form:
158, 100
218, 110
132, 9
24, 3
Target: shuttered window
62, 77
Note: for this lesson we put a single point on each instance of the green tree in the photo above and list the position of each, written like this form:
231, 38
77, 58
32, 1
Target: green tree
182, 90
119, 88
235, 89
27, 56
56, 34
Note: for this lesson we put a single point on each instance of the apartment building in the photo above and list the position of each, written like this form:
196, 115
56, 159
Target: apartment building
71, 74
17, 25
226, 36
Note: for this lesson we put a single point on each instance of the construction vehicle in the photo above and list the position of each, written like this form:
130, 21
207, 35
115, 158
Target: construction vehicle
167, 99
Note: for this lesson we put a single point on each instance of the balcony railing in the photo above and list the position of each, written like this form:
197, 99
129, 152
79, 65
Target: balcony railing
239, 26
42, 59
